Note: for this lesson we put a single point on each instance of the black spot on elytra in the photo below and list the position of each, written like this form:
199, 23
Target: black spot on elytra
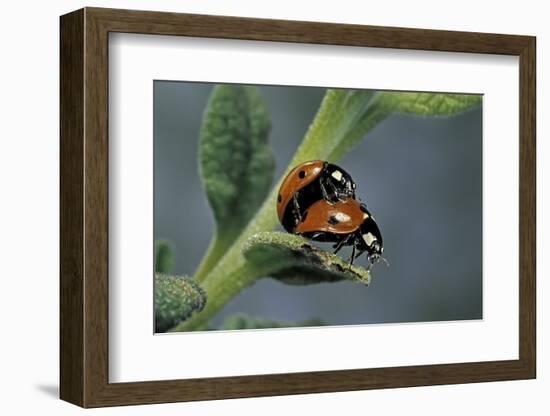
279, 198
302, 174
332, 220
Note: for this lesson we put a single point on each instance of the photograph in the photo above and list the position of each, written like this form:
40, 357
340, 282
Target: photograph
294, 206
301, 206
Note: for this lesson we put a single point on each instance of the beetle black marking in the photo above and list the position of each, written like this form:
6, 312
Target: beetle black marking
332, 220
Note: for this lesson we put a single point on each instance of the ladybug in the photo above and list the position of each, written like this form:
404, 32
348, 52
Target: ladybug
310, 182
346, 223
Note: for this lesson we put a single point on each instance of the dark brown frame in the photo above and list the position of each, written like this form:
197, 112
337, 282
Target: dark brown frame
84, 211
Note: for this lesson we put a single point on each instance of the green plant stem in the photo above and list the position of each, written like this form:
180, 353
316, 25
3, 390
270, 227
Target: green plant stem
216, 250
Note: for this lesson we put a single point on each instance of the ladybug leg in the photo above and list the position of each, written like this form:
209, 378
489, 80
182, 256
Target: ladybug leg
326, 185
352, 256
324, 191
356, 250
296, 208
339, 245
334, 191
342, 243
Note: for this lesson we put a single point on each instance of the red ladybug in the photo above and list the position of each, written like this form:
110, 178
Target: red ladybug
308, 183
346, 223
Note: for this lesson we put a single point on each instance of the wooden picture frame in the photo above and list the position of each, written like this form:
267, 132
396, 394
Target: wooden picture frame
84, 207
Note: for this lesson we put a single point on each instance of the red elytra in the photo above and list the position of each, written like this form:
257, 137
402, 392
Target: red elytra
342, 217
298, 178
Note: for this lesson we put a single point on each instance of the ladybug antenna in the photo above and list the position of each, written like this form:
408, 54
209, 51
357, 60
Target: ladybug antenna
385, 261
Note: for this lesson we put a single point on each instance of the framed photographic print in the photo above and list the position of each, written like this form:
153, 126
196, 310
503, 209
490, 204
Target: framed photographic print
255, 207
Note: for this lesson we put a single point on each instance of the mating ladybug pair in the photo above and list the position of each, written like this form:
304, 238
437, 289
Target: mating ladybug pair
317, 201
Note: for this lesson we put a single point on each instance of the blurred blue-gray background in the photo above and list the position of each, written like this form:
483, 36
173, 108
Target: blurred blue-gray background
420, 177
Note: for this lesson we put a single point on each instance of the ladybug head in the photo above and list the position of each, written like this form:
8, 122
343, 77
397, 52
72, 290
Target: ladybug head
375, 252
375, 255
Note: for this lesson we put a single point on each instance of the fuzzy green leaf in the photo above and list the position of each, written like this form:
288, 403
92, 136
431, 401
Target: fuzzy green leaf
243, 321
176, 299
164, 257
292, 259
236, 162
426, 104
383, 104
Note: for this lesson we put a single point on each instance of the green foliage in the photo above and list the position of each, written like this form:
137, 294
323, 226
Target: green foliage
236, 162
243, 321
381, 105
164, 257
176, 299
427, 104
237, 167
292, 259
